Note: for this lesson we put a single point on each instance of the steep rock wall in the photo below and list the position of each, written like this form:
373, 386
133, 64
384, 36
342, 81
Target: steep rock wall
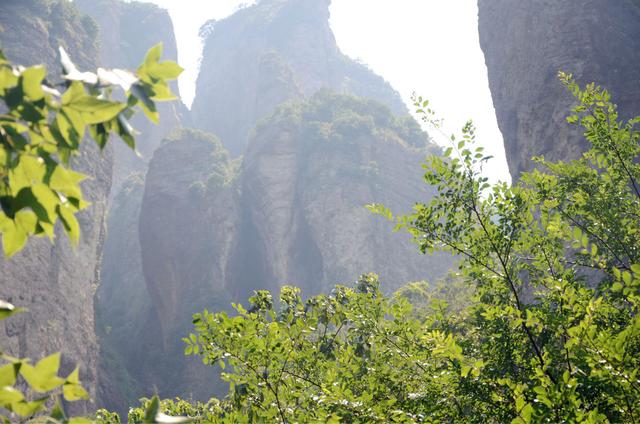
527, 42
187, 230
292, 213
55, 281
127, 30
122, 301
268, 53
291, 209
307, 174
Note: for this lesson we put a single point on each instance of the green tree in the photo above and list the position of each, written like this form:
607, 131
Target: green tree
549, 332
350, 356
554, 264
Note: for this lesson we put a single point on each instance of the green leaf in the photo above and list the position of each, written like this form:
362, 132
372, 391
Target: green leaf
74, 93
10, 395
15, 235
165, 71
152, 410
95, 111
29, 171
43, 377
153, 55
73, 392
7, 309
66, 182
57, 412
146, 104
47, 199
69, 222
27, 409
8, 374
32, 82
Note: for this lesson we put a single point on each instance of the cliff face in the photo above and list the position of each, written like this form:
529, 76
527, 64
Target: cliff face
292, 213
122, 301
307, 174
289, 211
123, 307
126, 32
266, 54
527, 42
187, 232
55, 282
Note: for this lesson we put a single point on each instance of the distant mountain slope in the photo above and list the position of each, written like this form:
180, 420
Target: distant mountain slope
527, 42
268, 53
126, 31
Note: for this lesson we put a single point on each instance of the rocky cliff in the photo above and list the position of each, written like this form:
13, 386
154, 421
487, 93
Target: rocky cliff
186, 217
527, 42
213, 230
122, 301
289, 210
307, 174
268, 53
54, 281
126, 31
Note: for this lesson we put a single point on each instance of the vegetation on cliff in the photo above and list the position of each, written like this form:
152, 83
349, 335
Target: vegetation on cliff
550, 333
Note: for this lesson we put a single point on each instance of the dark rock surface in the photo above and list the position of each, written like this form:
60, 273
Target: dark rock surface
307, 174
188, 225
126, 31
55, 281
527, 42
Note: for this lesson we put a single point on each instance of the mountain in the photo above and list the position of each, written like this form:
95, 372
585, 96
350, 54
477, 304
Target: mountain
127, 30
213, 230
293, 139
308, 172
526, 43
55, 281
268, 53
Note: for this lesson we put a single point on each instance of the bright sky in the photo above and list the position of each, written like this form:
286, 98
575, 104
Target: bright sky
429, 47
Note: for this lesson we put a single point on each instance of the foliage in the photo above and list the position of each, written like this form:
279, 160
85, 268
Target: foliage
352, 355
154, 411
45, 386
43, 128
195, 412
345, 119
554, 263
550, 331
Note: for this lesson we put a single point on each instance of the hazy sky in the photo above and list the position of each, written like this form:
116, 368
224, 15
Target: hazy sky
425, 46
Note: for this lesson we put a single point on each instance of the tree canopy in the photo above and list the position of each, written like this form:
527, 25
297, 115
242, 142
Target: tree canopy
549, 329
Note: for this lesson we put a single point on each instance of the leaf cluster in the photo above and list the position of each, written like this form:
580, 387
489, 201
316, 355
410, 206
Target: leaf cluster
43, 126
44, 385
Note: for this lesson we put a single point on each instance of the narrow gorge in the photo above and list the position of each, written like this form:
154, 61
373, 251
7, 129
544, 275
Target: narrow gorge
263, 182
